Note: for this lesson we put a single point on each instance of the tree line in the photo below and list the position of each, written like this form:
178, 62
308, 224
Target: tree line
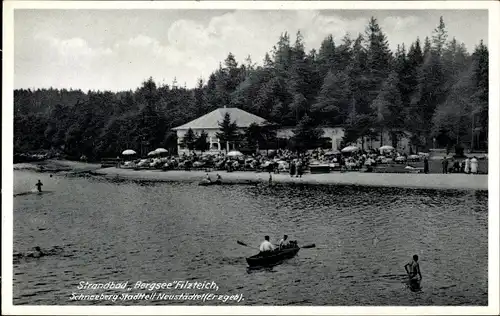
434, 92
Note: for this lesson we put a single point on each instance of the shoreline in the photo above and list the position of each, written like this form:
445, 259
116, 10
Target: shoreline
416, 181
388, 180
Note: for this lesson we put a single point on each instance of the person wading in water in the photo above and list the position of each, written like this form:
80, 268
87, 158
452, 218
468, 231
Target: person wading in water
39, 186
413, 271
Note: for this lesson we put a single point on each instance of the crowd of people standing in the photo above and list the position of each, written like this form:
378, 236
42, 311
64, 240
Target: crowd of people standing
468, 165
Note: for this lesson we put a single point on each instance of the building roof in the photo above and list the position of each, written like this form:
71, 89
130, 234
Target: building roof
211, 120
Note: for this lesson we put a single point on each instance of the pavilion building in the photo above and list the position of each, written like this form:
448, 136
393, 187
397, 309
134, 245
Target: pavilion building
209, 123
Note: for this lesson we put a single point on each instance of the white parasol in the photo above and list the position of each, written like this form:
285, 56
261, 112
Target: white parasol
161, 150
386, 148
129, 152
332, 152
350, 149
234, 153
152, 153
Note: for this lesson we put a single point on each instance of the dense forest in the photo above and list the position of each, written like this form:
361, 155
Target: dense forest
433, 91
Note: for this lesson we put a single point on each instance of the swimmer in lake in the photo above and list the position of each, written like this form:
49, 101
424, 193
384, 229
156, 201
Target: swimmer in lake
39, 185
36, 254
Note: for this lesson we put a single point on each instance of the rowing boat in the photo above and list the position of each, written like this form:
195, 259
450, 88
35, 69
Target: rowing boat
274, 257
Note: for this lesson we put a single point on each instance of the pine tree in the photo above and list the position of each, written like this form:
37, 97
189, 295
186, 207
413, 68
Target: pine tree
306, 135
378, 58
228, 131
201, 142
480, 64
431, 88
439, 38
343, 54
389, 108
200, 99
298, 78
333, 99
282, 55
326, 56
189, 140
427, 47
253, 136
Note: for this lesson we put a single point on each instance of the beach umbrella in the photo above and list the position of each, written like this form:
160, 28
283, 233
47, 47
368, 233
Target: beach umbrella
332, 152
129, 152
161, 150
234, 153
152, 153
386, 147
350, 149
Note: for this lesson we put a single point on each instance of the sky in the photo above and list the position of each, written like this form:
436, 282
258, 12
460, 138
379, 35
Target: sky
118, 49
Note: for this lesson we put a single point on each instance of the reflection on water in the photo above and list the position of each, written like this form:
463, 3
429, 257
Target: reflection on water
162, 232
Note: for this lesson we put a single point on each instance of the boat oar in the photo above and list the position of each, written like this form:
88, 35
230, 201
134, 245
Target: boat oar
309, 246
242, 243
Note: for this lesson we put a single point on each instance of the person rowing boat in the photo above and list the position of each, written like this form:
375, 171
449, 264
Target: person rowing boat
266, 247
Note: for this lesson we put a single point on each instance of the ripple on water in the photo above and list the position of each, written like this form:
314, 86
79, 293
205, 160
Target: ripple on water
126, 231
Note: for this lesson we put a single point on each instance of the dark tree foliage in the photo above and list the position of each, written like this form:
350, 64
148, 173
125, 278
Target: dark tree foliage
189, 140
228, 131
201, 142
306, 135
259, 136
433, 89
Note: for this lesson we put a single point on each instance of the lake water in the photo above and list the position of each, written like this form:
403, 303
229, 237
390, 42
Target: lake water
162, 232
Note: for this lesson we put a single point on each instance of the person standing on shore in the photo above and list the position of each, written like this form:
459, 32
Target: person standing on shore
299, 169
445, 165
473, 165
426, 165
292, 168
341, 163
467, 165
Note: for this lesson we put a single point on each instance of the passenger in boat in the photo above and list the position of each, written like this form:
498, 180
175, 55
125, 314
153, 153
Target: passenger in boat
266, 246
208, 178
413, 270
39, 186
284, 243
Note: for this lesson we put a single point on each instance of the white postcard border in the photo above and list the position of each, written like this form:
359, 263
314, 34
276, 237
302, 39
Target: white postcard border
7, 160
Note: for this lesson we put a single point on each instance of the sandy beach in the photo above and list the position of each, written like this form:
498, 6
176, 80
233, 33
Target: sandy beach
407, 180
428, 181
